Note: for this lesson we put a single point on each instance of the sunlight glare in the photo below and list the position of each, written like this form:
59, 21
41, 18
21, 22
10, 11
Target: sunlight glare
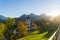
54, 13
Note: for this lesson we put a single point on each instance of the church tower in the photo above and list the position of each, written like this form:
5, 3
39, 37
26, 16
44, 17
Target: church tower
28, 21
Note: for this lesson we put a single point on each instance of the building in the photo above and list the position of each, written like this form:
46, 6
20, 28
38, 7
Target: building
28, 21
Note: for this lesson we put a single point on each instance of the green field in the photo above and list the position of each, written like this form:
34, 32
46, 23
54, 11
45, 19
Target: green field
35, 36
39, 36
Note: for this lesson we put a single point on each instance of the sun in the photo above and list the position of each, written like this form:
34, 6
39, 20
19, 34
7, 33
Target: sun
54, 13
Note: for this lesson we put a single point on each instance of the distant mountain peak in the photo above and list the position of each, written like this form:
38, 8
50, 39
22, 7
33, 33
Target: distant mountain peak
2, 18
31, 13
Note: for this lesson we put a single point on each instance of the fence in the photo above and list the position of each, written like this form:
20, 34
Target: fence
55, 35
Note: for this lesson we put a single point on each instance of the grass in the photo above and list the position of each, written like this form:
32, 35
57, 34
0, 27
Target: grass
40, 36
52, 29
35, 36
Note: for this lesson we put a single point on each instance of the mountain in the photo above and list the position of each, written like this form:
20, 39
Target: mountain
32, 16
23, 17
2, 18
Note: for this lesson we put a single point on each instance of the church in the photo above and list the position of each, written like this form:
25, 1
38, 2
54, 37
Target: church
28, 22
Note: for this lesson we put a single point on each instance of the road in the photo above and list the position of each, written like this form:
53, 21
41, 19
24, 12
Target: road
58, 34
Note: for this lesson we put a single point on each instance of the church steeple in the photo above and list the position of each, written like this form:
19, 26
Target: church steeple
28, 21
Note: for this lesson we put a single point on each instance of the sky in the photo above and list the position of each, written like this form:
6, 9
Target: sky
16, 8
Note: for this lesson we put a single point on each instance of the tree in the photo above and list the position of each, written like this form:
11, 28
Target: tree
22, 28
47, 23
42, 26
2, 28
34, 26
9, 28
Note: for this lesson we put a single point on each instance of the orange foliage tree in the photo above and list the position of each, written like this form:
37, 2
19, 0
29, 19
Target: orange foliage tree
22, 28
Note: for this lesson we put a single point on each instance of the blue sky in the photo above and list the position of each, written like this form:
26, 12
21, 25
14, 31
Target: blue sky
15, 8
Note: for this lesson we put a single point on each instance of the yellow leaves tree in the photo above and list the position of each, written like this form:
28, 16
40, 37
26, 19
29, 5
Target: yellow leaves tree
22, 28
2, 28
47, 23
